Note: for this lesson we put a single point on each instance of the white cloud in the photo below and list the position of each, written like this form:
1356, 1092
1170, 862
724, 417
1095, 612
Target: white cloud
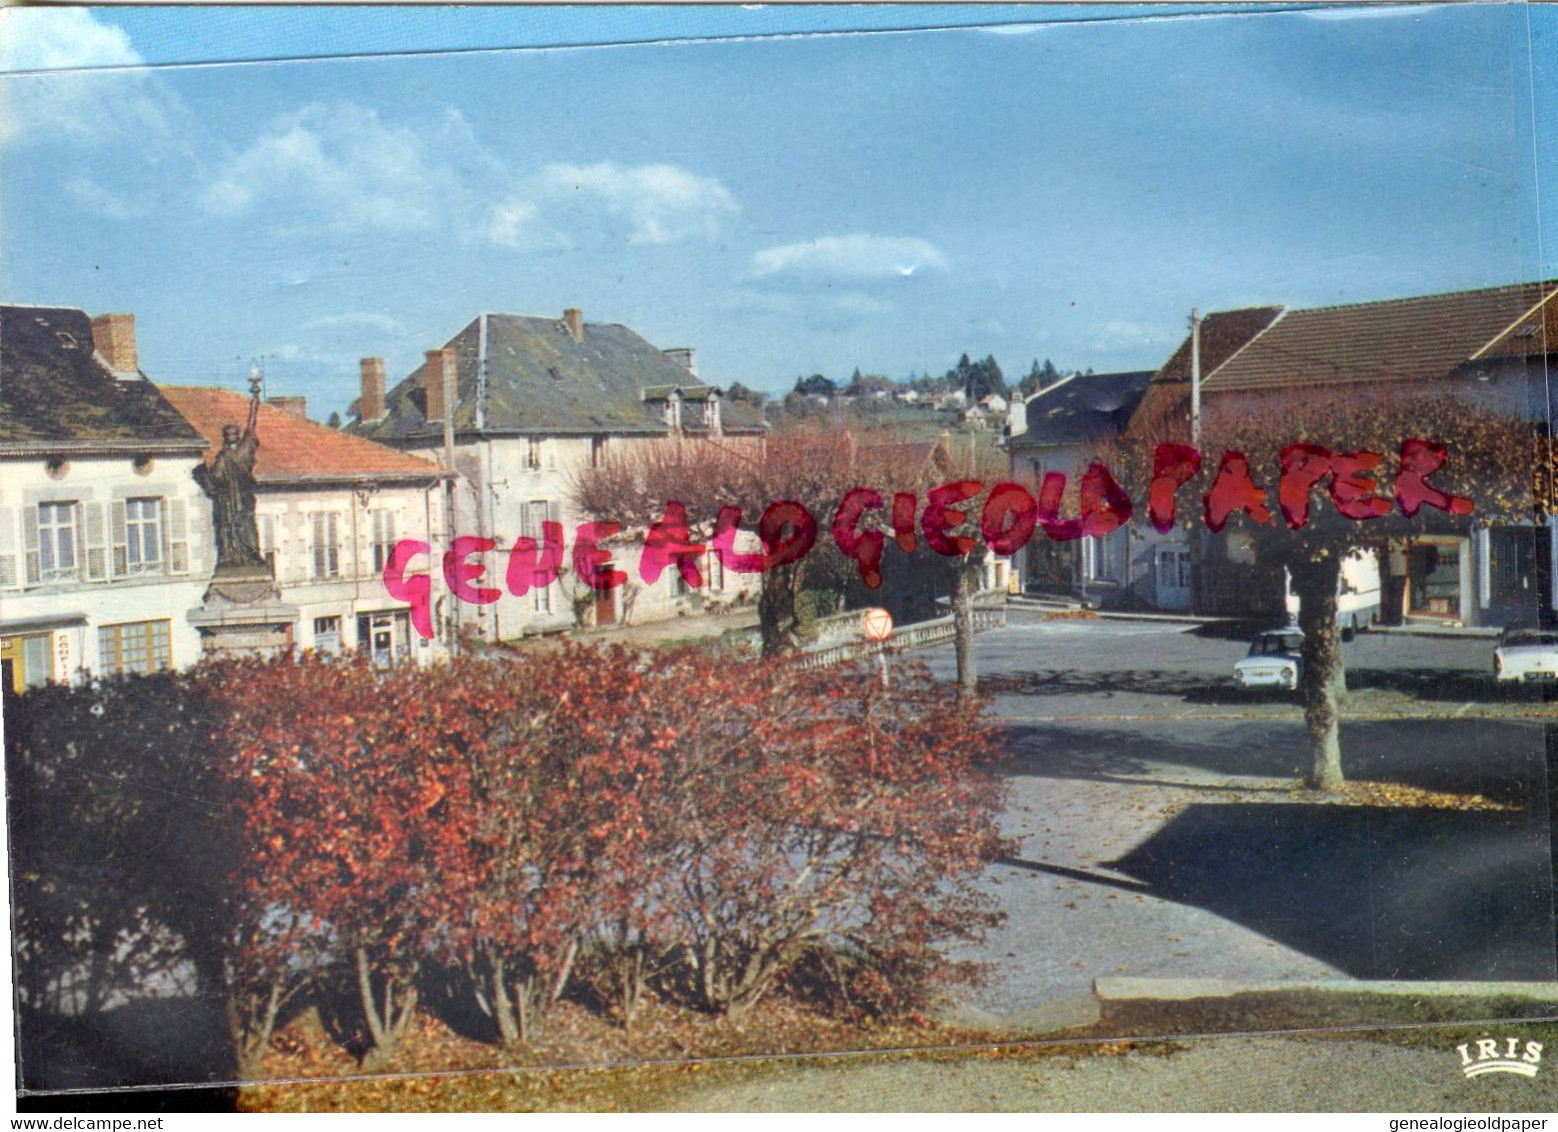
57, 39
659, 204
95, 198
516, 223
353, 320
856, 302
1121, 334
341, 168
856, 256
344, 168
59, 97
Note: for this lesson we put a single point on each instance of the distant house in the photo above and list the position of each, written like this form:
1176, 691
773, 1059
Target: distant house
1164, 573
536, 402
105, 541
1057, 430
1493, 345
330, 508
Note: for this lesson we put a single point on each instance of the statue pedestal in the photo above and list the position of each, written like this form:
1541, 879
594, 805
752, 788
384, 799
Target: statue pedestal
241, 615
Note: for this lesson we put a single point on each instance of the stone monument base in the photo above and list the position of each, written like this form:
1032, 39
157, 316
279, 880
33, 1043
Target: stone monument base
241, 615
241, 585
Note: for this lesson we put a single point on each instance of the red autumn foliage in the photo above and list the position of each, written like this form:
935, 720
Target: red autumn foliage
580, 818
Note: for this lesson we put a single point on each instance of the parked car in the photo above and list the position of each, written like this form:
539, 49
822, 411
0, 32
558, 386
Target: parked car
1526, 655
1274, 661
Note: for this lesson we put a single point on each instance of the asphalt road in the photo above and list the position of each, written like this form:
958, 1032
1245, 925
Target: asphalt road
1162, 835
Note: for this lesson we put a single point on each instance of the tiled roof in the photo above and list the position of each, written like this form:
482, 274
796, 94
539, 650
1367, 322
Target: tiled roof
53, 393
539, 380
1082, 407
1421, 338
1223, 335
1533, 334
292, 448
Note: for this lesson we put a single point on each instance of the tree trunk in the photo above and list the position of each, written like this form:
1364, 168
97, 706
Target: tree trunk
1324, 679
776, 608
965, 585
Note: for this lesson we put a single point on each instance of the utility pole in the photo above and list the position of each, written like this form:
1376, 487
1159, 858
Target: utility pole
447, 375
1195, 442
1195, 378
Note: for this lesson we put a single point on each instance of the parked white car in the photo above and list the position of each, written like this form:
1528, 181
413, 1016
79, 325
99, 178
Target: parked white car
1274, 661
1526, 655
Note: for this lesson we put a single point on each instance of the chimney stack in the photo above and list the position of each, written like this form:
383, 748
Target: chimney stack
573, 319
684, 356
371, 407
113, 337
440, 368
292, 403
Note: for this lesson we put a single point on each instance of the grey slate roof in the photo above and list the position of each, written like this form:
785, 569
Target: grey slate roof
55, 396
1094, 406
540, 381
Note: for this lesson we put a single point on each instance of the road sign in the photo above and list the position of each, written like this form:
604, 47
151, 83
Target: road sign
876, 625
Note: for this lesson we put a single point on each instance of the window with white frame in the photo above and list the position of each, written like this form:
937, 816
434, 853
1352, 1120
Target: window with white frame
1173, 568
143, 535
327, 545
56, 540
532, 452
327, 634
383, 525
531, 516
268, 542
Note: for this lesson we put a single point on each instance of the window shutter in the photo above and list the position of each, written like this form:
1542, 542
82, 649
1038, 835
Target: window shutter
268, 543
30, 539
294, 550
176, 520
318, 522
96, 542
10, 578
120, 539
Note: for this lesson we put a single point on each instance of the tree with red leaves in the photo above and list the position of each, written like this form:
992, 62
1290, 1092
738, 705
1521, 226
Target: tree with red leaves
1317, 478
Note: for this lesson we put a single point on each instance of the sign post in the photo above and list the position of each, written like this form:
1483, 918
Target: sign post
876, 626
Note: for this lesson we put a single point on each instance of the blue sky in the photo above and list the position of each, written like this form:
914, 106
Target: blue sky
1065, 183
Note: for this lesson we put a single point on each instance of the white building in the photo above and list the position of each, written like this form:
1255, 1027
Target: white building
1057, 431
330, 508
537, 401
105, 542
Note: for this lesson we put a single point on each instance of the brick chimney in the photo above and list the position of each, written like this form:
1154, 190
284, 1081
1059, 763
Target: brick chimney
292, 403
573, 319
684, 356
440, 367
113, 336
371, 407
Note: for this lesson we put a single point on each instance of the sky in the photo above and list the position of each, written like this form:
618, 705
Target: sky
788, 190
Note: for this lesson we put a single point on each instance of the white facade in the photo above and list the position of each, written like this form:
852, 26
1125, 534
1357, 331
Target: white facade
102, 558
327, 546
508, 486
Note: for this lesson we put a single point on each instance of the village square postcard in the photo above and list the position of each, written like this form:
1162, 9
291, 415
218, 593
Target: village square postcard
932, 557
